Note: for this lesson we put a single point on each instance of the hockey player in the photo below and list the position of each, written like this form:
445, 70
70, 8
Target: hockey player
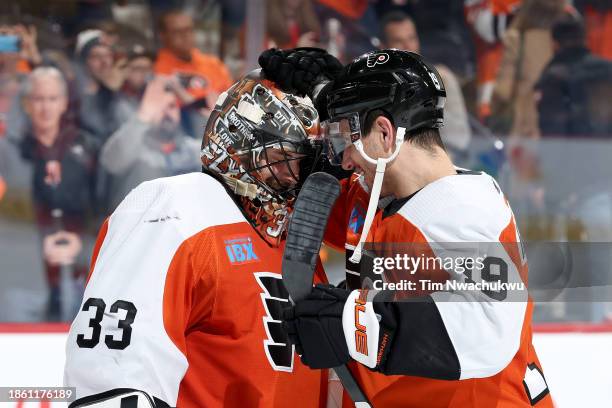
184, 298
444, 348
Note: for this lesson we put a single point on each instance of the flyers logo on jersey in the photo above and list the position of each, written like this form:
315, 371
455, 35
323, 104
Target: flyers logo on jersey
377, 58
361, 331
275, 298
240, 250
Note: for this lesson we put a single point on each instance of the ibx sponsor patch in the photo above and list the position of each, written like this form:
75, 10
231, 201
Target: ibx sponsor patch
240, 250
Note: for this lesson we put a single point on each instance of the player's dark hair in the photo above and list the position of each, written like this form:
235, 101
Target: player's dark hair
392, 17
425, 138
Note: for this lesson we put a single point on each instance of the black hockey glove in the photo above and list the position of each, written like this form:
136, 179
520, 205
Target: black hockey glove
332, 325
314, 325
302, 71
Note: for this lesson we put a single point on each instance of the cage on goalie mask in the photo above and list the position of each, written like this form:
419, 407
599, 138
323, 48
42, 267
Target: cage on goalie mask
262, 143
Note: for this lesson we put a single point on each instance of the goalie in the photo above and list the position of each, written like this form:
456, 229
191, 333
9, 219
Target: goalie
184, 299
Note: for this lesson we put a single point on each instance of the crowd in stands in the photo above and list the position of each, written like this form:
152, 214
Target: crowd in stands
98, 96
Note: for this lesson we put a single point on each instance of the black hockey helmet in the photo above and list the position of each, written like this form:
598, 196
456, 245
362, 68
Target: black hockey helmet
400, 83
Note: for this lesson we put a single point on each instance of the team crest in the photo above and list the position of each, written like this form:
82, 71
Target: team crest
275, 299
377, 58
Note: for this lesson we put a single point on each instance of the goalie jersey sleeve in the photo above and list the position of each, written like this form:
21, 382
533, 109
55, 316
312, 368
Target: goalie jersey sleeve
480, 340
184, 302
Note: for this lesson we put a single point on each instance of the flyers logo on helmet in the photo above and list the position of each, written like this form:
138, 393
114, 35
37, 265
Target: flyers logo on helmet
377, 58
361, 334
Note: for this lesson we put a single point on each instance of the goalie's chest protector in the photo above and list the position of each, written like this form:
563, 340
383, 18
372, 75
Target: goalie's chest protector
184, 301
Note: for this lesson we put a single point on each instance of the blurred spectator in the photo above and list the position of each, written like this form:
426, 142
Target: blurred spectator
102, 77
444, 40
138, 70
527, 49
575, 87
488, 20
292, 23
233, 13
135, 15
150, 145
203, 76
10, 80
63, 168
18, 54
354, 20
28, 48
598, 24
399, 31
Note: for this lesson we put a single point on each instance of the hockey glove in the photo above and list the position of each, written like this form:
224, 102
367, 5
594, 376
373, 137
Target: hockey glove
314, 325
302, 71
331, 325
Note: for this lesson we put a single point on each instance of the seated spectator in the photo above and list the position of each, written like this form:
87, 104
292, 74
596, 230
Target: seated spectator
203, 76
100, 79
63, 166
399, 31
150, 145
292, 24
575, 87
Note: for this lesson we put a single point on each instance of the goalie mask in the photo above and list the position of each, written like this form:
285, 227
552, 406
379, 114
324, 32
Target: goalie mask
262, 143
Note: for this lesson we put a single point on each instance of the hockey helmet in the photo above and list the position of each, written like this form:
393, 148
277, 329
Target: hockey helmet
400, 83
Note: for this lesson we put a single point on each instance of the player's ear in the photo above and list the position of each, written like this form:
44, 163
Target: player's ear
388, 133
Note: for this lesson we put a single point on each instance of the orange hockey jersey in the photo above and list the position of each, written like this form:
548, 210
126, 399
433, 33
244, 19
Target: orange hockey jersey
184, 302
486, 335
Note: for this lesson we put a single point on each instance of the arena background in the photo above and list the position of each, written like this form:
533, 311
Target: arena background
529, 85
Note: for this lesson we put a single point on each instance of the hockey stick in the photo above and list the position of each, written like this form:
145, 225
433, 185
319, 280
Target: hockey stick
306, 228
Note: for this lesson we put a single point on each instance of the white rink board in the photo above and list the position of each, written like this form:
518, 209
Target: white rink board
577, 365
34, 360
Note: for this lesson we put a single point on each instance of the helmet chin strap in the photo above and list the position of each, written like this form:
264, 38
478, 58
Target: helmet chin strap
381, 165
